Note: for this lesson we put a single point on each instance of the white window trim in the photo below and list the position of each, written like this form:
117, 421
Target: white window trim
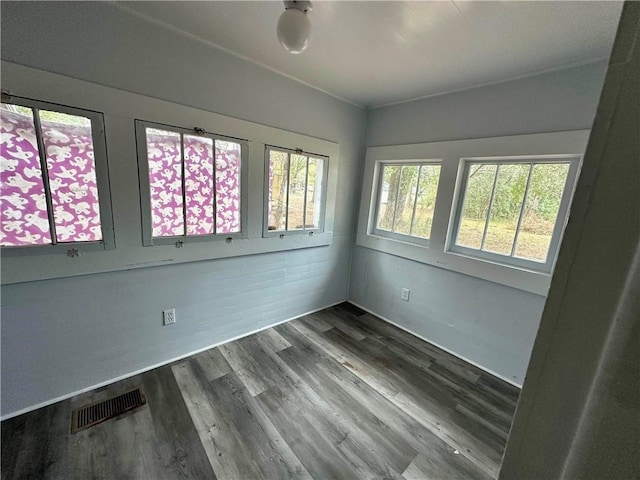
304, 231
574, 162
401, 237
145, 193
120, 110
437, 253
102, 182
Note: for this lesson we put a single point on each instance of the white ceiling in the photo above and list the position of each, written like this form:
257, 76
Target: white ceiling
376, 53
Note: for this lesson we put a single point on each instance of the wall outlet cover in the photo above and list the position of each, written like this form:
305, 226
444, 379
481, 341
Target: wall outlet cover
169, 316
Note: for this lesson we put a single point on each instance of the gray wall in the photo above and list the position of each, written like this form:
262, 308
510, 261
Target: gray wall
553, 102
586, 359
59, 336
489, 324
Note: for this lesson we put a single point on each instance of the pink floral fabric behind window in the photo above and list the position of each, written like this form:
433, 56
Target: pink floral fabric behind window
165, 182
71, 171
203, 187
72, 179
198, 159
227, 187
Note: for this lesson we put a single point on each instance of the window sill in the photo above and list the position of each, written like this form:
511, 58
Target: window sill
58, 249
291, 233
58, 265
521, 279
451, 154
120, 109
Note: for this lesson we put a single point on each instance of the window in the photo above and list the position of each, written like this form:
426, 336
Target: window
192, 184
214, 185
513, 210
406, 200
54, 176
295, 191
495, 208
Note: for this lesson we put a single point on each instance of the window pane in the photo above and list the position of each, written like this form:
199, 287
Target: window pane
314, 192
297, 187
388, 195
507, 204
228, 200
198, 184
278, 183
72, 176
541, 210
426, 201
23, 204
476, 203
406, 199
165, 180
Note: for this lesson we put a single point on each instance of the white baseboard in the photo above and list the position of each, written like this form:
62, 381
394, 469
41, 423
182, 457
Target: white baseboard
151, 367
497, 375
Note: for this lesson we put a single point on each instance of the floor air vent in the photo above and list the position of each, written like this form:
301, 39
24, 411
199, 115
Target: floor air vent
91, 415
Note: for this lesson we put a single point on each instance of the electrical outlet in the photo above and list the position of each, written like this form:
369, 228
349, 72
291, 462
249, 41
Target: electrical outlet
405, 294
169, 316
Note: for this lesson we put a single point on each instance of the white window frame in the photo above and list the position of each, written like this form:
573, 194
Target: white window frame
380, 177
561, 219
325, 172
452, 153
145, 193
102, 181
120, 110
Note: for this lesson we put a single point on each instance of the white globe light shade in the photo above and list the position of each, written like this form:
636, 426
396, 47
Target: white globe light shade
294, 30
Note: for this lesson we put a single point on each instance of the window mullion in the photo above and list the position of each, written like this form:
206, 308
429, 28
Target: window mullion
45, 175
304, 205
286, 214
184, 186
395, 207
415, 200
215, 190
524, 202
488, 217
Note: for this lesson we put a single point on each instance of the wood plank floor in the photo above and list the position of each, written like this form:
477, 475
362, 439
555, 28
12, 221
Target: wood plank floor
336, 394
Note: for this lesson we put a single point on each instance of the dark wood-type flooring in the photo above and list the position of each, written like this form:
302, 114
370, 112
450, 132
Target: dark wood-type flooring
335, 394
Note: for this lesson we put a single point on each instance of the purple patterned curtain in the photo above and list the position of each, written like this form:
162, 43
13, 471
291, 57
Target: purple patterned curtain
211, 178
71, 172
210, 202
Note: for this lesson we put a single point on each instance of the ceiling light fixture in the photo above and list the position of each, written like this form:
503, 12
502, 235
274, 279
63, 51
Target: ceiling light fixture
294, 27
